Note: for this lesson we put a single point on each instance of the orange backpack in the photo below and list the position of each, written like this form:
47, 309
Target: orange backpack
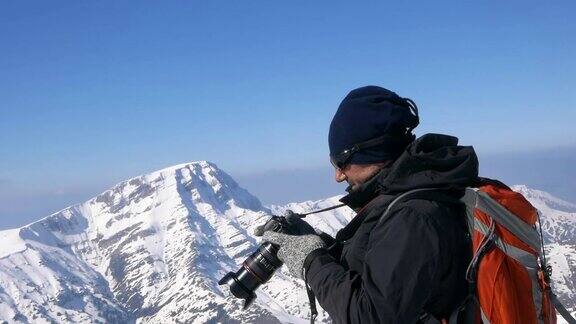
508, 270
512, 280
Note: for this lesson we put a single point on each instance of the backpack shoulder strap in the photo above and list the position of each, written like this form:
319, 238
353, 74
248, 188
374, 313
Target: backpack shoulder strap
432, 194
465, 312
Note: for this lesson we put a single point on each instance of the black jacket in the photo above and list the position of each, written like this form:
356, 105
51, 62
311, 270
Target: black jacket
414, 261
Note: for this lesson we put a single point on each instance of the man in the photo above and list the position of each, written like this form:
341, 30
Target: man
406, 265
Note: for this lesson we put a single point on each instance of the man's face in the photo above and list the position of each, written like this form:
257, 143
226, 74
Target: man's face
357, 174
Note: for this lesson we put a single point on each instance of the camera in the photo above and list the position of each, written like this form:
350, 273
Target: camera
259, 267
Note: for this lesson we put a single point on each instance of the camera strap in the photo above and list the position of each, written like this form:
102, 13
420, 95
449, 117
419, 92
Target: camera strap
319, 211
311, 299
311, 296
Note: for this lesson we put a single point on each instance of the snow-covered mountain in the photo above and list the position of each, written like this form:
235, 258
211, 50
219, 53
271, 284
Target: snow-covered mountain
153, 248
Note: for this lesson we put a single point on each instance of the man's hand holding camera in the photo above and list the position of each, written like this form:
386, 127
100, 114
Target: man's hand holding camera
295, 238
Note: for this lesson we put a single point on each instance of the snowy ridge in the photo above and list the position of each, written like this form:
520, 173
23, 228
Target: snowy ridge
152, 249
542, 197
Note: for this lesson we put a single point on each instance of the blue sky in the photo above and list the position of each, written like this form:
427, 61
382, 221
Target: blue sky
94, 92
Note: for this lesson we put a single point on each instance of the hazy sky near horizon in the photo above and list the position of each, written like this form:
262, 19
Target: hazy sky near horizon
94, 92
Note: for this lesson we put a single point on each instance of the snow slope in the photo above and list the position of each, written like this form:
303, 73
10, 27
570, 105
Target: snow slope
152, 249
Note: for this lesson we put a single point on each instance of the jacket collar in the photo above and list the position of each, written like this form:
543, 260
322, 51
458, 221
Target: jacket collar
362, 214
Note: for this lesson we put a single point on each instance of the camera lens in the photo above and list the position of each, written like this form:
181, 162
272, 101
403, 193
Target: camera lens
256, 270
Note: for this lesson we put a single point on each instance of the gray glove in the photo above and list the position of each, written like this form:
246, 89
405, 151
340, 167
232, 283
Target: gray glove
294, 249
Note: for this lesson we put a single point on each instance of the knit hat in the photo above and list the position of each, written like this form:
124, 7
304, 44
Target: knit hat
370, 112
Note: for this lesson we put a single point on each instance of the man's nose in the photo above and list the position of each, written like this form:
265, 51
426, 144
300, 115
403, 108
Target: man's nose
340, 176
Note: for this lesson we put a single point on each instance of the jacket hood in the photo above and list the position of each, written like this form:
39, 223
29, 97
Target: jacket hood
431, 161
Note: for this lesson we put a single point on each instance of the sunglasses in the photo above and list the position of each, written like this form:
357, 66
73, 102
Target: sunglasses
340, 160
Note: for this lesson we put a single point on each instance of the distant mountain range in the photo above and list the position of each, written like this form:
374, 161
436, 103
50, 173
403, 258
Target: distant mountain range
152, 249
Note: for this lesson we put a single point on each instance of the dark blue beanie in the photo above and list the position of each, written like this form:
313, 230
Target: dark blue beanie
367, 113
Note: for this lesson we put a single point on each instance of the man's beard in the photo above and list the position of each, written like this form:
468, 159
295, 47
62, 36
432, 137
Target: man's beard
353, 186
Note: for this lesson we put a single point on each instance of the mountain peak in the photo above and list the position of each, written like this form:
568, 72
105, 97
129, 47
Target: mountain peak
203, 180
203, 164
